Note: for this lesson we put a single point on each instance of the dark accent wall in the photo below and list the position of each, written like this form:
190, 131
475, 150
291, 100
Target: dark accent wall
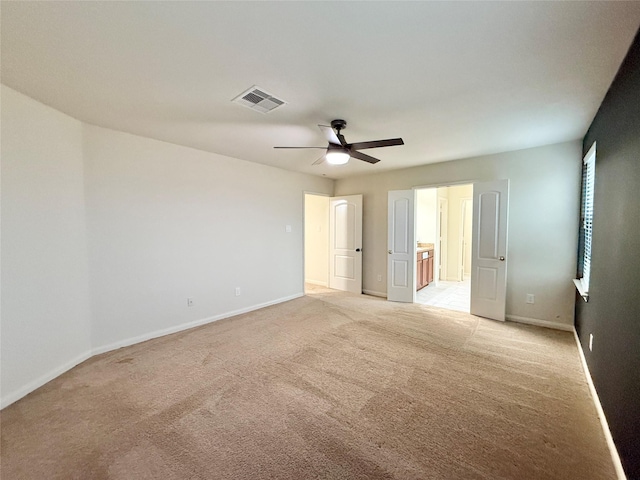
612, 314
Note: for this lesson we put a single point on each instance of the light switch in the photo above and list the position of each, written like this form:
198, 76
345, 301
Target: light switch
287, 228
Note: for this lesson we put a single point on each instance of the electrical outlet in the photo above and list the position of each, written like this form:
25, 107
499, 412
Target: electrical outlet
531, 298
379, 277
591, 342
237, 291
190, 302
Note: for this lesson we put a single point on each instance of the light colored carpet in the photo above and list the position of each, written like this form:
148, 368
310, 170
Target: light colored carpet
328, 386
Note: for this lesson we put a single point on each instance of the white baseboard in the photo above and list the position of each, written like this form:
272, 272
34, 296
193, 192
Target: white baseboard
374, 293
188, 325
317, 282
40, 381
540, 323
603, 419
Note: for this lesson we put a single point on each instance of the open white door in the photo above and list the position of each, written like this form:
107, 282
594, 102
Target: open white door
345, 243
489, 244
401, 261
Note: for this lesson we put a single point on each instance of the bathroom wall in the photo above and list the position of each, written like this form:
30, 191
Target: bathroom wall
426, 215
316, 239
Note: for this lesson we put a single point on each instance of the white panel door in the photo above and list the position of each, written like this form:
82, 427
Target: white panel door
401, 259
345, 243
489, 244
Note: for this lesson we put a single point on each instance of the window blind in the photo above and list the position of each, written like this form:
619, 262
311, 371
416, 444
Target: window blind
588, 184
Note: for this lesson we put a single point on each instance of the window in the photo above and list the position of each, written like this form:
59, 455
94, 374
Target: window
586, 224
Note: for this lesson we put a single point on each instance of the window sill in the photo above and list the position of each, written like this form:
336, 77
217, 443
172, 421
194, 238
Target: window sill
584, 294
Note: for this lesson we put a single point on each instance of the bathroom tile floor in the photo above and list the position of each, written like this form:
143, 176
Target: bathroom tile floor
449, 295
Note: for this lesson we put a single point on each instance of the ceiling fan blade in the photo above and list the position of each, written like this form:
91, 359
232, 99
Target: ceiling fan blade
324, 148
364, 157
319, 161
330, 134
377, 143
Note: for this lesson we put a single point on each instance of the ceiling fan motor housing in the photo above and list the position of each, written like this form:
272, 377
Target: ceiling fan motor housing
338, 124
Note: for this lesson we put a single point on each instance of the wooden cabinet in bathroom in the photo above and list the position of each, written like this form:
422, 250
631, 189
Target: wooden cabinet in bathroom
424, 268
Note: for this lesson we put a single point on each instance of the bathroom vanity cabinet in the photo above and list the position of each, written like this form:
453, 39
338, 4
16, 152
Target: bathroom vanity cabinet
425, 267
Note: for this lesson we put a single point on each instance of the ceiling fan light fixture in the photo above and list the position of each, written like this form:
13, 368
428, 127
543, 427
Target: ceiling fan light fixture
337, 157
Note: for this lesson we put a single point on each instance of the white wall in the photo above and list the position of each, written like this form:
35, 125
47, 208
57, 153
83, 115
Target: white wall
106, 234
168, 222
456, 194
467, 234
45, 327
316, 239
426, 215
543, 221
442, 249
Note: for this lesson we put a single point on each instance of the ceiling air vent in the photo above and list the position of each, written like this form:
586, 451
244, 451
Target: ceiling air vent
257, 99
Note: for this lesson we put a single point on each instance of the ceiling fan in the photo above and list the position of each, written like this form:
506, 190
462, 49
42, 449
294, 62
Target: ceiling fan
339, 151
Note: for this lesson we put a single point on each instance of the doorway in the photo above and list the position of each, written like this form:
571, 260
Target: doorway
316, 241
333, 242
488, 259
444, 229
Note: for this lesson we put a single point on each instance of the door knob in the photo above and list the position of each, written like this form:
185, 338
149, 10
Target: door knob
390, 252
358, 249
502, 259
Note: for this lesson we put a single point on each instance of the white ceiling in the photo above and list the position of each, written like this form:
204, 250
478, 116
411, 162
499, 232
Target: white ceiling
453, 79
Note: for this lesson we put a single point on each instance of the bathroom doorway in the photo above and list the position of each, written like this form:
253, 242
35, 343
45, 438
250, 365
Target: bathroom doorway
444, 231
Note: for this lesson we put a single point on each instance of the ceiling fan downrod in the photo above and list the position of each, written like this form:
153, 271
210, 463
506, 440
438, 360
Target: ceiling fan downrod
338, 125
